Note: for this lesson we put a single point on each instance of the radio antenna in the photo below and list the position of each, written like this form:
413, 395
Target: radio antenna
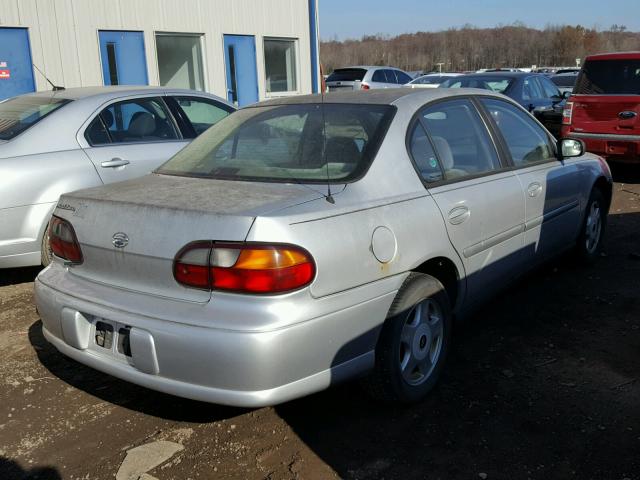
55, 88
328, 197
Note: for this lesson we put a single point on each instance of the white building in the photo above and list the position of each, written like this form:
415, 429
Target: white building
244, 50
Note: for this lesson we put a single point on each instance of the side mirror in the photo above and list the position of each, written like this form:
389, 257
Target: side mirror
569, 148
566, 94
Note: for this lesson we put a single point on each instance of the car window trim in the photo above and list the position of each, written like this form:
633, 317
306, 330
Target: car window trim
503, 142
416, 118
83, 129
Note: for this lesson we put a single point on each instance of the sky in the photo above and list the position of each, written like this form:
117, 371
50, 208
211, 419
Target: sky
354, 18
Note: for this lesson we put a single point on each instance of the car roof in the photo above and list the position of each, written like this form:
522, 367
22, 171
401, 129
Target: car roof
382, 96
108, 92
615, 56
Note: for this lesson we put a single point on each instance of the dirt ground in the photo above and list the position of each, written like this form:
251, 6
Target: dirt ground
543, 383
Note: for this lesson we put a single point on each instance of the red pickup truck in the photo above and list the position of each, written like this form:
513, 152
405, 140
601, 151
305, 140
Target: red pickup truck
604, 109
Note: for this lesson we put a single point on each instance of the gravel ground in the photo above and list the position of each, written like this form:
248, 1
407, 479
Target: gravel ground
542, 383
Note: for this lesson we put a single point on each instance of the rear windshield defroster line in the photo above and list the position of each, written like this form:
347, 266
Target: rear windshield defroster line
304, 143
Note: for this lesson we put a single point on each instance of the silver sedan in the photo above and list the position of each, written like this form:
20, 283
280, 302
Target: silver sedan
56, 142
301, 242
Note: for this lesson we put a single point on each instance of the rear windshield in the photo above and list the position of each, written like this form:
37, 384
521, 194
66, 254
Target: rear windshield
347, 75
565, 80
285, 143
495, 84
609, 77
19, 113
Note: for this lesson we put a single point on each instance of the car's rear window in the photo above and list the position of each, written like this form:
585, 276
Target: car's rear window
307, 143
609, 77
19, 113
347, 75
495, 84
565, 80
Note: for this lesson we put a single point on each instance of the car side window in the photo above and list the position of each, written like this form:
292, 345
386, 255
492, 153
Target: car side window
460, 139
531, 89
379, 76
402, 77
201, 113
424, 156
391, 76
526, 140
136, 120
550, 89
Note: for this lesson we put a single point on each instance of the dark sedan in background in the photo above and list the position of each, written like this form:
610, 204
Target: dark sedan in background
534, 92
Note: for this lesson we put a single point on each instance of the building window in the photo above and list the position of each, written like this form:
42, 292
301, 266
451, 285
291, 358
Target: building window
280, 65
180, 62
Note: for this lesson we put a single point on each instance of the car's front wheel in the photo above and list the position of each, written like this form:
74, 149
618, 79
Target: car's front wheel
414, 341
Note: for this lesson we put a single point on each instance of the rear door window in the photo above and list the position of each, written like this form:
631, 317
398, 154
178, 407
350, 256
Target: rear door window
526, 140
460, 140
137, 120
609, 77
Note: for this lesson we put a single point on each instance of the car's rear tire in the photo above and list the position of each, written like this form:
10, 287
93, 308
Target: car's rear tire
413, 343
590, 242
45, 249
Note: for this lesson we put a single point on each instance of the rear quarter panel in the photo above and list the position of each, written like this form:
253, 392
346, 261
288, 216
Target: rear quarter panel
341, 243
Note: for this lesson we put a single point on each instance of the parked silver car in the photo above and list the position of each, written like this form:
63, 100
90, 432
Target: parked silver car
297, 244
366, 78
55, 142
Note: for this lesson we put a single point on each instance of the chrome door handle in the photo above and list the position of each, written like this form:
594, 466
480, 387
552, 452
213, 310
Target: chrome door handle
114, 162
459, 215
534, 189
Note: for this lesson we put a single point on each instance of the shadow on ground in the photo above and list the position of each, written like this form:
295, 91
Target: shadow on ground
11, 470
14, 276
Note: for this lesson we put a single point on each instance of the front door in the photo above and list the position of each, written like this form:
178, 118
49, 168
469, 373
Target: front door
16, 70
123, 58
551, 187
242, 76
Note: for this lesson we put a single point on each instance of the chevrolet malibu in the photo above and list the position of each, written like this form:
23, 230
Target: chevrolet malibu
304, 241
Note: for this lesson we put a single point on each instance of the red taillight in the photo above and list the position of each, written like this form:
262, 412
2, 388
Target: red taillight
567, 113
63, 241
364, 86
244, 268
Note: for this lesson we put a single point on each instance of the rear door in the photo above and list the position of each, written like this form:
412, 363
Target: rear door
606, 97
130, 138
551, 187
481, 201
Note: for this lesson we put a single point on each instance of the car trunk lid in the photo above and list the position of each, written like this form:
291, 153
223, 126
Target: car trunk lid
130, 232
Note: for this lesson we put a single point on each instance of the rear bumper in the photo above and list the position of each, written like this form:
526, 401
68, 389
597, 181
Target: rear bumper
621, 148
244, 367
